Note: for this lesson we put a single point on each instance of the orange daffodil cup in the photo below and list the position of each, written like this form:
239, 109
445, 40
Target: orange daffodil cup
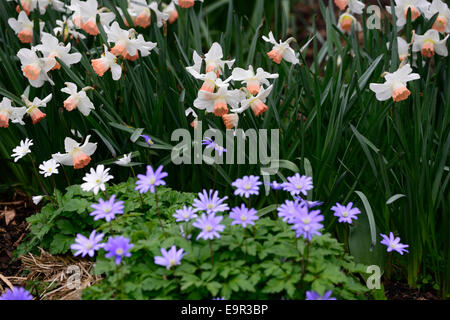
23, 27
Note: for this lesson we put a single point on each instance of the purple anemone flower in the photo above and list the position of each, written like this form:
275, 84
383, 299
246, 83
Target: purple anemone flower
313, 295
107, 209
289, 210
118, 247
393, 243
307, 224
16, 293
211, 203
298, 184
151, 179
210, 226
308, 204
209, 143
147, 139
87, 246
170, 258
276, 186
345, 213
243, 216
246, 186
185, 214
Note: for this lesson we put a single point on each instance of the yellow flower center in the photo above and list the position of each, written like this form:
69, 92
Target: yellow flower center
119, 251
247, 186
208, 228
306, 220
345, 213
172, 262
107, 209
152, 180
243, 218
210, 206
299, 186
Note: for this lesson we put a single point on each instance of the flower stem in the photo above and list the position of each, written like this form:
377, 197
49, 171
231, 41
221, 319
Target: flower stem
40, 182
305, 258
215, 178
140, 195
211, 252
157, 211
246, 245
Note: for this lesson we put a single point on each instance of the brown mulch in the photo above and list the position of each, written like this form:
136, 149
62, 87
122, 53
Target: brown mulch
13, 229
397, 290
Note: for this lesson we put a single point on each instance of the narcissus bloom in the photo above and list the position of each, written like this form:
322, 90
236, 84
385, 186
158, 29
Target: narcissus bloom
313, 295
401, 9
217, 102
106, 62
253, 80
243, 216
170, 258
118, 247
96, 179
87, 246
33, 107
16, 293
402, 48
139, 12
51, 48
22, 150
354, 6
186, 3
281, 50
171, 11
124, 161
150, 180
298, 184
256, 103
395, 85
210, 202
77, 99
230, 120
76, 155
107, 209
346, 20
247, 186
429, 44
47, 168
126, 44
23, 27
66, 28
441, 24
85, 13
185, 214
213, 60
393, 243
210, 226
7, 112
345, 213
35, 68
31, 5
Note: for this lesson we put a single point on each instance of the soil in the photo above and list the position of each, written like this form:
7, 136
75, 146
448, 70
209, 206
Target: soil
13, 229
397, 290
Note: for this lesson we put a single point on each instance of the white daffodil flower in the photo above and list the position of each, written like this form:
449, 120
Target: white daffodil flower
51, 48
402, 48
186, 3
22, 150
76, 155
77, 99
395, 85
33, 107
253, 80
281, 50
85, 14
213, 60
66, 28
354, 6
257, 103
35, 68
217, 102
171, 11
401, 10
346, 21
7, 112
23, 27
429, 43
106, 62
441, 23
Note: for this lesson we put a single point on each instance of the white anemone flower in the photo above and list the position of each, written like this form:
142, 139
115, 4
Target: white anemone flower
51, 48
401, 10
281, 50
257, 103
217, 102
429, 44
441, 23
8, 112
23, 27
77, 99
124, 161
35, 68
96, 179
395, 85
76, 155
253, 80
37, 199
47, 168
22, 150
213, 60
106, 62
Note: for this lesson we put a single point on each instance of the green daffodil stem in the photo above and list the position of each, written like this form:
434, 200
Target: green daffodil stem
157, 211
